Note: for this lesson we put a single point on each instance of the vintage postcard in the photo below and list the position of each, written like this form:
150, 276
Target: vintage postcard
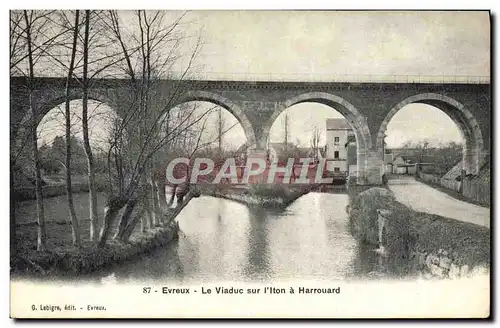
250, 164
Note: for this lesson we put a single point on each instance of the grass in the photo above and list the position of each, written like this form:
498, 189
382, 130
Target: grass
61, 257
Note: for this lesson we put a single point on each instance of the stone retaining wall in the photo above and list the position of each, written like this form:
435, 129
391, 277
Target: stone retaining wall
440, 264
429, 261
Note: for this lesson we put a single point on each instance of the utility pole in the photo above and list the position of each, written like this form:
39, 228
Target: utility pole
221, 123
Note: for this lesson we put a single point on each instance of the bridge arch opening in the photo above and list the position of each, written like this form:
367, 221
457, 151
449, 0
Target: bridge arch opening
229, 106
205, 127
453, 123
51, 131
21, 133
336, 119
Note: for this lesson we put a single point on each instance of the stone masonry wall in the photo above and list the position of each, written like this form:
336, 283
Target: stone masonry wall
440, 264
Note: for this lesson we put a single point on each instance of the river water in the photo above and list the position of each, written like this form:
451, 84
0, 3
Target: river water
221, 240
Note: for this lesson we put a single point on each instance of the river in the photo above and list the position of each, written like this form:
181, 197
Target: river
221, 240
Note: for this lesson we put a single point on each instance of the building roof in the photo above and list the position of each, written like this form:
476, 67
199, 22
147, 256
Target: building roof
337, 124
454, 172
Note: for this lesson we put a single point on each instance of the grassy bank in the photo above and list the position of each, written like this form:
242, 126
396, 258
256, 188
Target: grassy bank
408, 232
62, 259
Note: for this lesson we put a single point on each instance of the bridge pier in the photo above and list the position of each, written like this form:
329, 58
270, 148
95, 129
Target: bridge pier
260, 154
370, 168
473, 158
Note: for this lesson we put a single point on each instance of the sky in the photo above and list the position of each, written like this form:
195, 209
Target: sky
308, 45
354, 43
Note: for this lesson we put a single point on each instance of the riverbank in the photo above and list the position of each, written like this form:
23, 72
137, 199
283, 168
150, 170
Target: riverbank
419, 243
267, 196
22, 194
62, 259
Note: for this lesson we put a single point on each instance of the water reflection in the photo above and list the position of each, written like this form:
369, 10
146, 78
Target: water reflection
224, 240
258, 266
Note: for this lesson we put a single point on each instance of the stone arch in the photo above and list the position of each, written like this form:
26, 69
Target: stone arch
77, 94
45, 101
473, 155
356, 120
225, 103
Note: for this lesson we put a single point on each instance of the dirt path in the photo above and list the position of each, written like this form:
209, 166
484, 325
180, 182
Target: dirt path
424, 198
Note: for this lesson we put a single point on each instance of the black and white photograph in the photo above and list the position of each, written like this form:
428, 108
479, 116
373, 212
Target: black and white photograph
250, 163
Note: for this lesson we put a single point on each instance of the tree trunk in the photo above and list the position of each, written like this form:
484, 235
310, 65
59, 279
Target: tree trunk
160, 194
41, 238
155, 208
41, 232
173, 212
124, 221
132, 223
146, 220
113, 206
69, 192
172, 197
13, 205
86, 141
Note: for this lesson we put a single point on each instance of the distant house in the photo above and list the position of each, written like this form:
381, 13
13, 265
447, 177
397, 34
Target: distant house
388, 163
340, 147
403, 164
452, 179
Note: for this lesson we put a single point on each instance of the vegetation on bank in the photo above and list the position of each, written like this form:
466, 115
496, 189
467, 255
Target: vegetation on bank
265, 195
61, 259
407, 230
131, 152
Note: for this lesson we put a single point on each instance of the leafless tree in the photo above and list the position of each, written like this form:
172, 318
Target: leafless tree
315, 140
85, 128
220, 127
286, 129
158, 44
31, 38
69, 192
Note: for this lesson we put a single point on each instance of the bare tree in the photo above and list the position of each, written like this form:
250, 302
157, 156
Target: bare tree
85, 127
69, 192
157, 44
29, 27
34, 34
315, 140
220, 127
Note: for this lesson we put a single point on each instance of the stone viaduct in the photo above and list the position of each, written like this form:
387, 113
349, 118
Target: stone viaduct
367, 106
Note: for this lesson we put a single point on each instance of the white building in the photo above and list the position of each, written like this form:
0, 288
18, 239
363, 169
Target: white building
339, 138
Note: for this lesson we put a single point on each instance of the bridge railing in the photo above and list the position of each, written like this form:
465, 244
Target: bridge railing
368, 78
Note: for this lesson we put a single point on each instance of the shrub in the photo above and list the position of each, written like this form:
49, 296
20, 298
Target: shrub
268, 191
363, 220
